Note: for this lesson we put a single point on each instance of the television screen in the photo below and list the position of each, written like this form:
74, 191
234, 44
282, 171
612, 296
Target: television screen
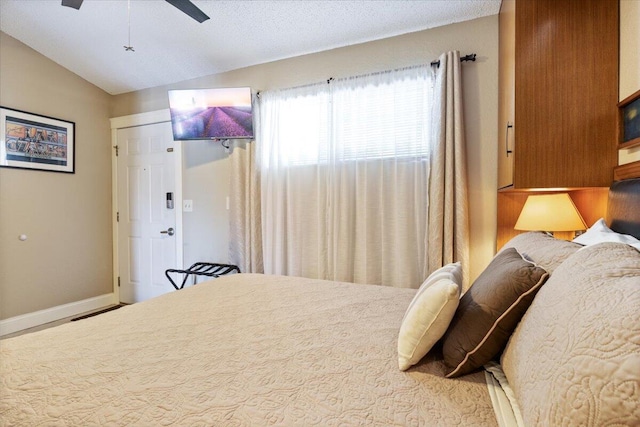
211, 113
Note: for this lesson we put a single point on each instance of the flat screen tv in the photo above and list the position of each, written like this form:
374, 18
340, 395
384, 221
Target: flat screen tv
223, 113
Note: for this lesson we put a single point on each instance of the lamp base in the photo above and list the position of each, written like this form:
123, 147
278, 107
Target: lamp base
564, 235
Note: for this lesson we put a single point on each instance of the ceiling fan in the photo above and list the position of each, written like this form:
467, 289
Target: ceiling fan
185, 6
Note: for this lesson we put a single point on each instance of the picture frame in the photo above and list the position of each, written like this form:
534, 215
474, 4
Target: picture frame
629, 121
33, 141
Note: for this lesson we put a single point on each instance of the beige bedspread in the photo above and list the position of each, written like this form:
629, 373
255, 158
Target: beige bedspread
240, 350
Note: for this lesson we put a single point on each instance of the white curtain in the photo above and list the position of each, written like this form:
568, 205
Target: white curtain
245, 231
245, 218
448, 194
344, 177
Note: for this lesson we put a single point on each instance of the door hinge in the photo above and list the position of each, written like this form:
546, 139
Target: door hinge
117, 216
118, 281
116, 147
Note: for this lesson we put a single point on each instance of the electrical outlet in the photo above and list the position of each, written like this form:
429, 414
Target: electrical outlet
187, 206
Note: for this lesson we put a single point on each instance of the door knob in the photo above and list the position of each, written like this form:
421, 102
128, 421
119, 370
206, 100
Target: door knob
170, 231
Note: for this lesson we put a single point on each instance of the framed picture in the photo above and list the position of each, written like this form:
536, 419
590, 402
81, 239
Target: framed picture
30, 141
630, 121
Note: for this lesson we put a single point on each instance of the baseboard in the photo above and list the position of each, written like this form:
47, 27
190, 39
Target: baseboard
37, 318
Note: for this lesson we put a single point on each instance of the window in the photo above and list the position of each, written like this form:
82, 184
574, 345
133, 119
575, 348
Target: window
344, 178
385, 115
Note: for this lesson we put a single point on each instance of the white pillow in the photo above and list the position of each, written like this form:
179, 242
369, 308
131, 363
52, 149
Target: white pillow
429, 314
599, 233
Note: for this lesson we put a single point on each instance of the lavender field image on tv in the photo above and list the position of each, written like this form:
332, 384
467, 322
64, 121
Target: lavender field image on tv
211, 113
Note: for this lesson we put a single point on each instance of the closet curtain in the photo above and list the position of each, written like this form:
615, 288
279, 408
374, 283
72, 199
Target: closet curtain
344, 170
448, 193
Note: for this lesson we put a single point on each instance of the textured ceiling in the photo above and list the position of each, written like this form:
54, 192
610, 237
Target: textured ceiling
171, 47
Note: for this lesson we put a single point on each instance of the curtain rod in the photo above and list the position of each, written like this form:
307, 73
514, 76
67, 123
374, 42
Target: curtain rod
470, 57
330, 79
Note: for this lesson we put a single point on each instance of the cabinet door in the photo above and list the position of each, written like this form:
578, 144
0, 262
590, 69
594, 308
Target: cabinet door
506, 104
566, 91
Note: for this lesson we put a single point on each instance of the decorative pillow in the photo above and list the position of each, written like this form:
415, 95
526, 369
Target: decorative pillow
543, 249
599, 233
574, 359
489, 311
429, 314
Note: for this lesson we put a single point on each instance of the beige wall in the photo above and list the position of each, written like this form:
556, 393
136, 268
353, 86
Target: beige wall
206, 165
66, 217
629, 61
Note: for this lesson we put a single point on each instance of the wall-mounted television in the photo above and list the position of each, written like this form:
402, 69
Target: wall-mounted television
222, 113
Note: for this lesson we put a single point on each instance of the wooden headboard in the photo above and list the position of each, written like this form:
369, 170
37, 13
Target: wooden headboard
623, 208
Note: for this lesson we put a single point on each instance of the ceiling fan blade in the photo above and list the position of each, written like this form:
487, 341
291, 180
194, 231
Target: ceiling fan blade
72, 3
189, 8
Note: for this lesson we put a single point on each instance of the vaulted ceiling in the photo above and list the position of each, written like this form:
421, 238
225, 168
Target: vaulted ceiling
169, 46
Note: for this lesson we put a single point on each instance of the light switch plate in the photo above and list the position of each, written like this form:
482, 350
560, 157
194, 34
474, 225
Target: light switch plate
187, 206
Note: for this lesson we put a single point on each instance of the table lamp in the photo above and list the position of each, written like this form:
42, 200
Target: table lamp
554, 213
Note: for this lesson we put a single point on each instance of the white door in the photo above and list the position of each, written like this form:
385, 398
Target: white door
147, 226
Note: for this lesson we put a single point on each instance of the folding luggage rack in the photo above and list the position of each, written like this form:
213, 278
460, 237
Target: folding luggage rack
201, 269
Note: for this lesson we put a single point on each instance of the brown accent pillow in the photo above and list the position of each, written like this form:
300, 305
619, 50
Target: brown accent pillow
490, 311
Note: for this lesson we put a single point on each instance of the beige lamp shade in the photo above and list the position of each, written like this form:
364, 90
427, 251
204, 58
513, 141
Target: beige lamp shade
550, 212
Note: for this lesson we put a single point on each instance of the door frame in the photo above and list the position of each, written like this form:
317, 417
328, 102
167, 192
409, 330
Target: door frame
143, 119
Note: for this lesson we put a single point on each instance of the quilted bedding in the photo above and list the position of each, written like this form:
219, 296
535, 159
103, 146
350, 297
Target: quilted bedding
240, 350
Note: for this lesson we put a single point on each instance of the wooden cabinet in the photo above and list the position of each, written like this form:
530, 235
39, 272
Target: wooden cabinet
558, 96
558, 88
506, 103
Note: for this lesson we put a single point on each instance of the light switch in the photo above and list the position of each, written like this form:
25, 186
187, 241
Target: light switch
187, 206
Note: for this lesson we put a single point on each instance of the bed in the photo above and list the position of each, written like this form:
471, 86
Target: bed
261, 350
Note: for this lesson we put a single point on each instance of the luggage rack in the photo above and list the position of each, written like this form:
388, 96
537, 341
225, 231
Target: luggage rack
201, 269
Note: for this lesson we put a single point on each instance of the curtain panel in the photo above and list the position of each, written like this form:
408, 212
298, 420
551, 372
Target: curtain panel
361, 180
245, 217
345, 169
448, 188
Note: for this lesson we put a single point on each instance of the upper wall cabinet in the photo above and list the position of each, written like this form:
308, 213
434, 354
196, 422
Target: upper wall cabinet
506, 102
558, 82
